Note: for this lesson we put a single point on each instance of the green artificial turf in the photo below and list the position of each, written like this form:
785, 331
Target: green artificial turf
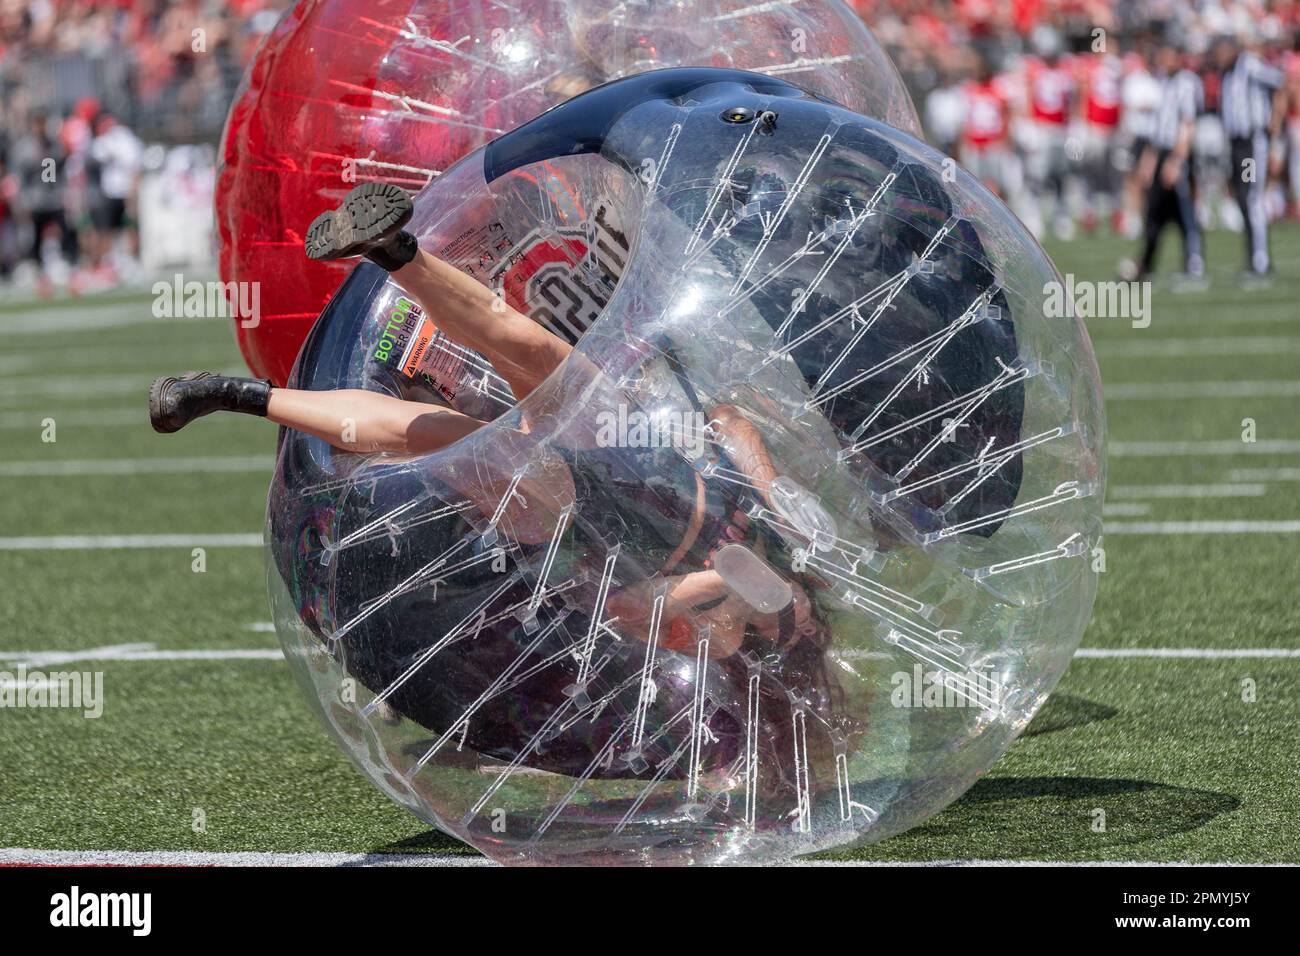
1166, 748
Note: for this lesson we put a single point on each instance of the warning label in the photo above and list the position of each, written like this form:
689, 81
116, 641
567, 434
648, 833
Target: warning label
413, 345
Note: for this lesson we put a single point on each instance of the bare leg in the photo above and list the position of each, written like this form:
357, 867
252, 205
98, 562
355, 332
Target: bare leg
528, 503
369, 222
357, 420
469, 313
743, 443
362, 421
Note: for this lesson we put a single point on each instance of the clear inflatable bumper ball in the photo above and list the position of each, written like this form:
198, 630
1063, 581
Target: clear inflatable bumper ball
785, 554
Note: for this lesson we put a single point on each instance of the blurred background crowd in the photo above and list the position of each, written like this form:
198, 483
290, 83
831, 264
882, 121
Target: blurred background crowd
94, 94
1057, 104
1065, 107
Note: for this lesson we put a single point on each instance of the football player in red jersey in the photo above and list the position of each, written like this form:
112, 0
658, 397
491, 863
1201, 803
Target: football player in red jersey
985, 138
1050, 94
1100, 77
1291, 129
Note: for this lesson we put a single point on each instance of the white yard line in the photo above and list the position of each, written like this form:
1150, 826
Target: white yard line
137, 466
25, 387
1222, 311
109, 542
45, 659
22, 857
1254, 490
1202, 527
143, 360
111, 416
1124, 509
1184, 391
1024, 863
1171, 449
20, 390
83, 316
9, 363
98, 542
18, 856
149, 652
1264, 474
1199, 345
1195, 653
144, 541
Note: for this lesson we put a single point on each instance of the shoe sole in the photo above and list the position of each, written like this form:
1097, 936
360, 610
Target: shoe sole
370, 211
156, 393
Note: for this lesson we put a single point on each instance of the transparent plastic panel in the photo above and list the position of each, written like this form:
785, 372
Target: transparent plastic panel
353, 91
596, 630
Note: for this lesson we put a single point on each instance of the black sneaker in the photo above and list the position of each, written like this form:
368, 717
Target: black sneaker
368, 223
175, 402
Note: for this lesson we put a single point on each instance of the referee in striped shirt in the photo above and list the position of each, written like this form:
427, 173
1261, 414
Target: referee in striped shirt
1166, 164
1252, 117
